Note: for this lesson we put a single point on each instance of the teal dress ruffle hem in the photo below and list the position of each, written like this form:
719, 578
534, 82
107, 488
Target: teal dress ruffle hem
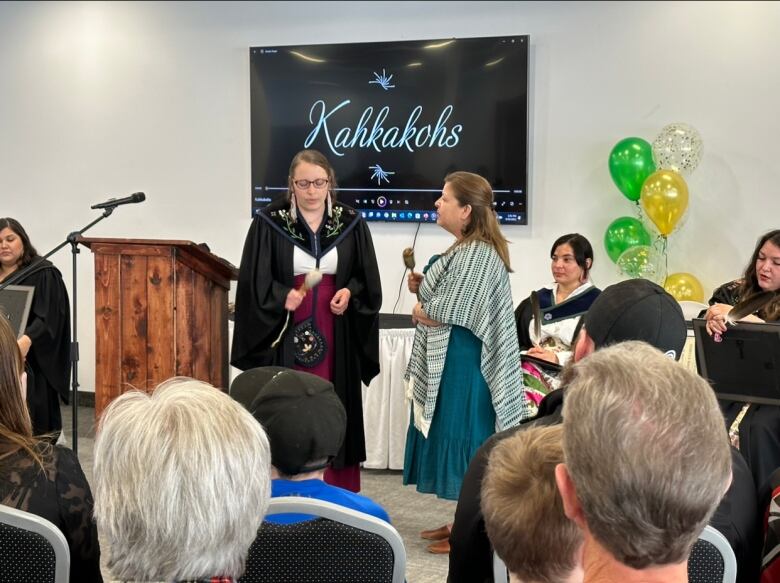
462, 420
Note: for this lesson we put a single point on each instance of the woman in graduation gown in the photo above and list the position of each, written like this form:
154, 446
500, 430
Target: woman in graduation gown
333, 331
754, 429
560, 309
46, 340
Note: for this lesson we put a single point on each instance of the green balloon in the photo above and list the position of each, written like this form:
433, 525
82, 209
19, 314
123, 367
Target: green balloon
624, 233
630, 163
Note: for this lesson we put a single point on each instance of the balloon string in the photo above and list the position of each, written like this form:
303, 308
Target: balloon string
640, 215
666, 259
660, 246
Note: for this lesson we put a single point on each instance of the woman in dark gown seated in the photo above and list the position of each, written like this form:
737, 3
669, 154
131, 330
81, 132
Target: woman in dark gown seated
561, 307
754, 429
38, 477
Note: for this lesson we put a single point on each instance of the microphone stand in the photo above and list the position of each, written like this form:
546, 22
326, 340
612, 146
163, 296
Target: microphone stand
73, 240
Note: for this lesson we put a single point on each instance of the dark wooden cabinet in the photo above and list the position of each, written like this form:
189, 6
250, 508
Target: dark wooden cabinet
161, 310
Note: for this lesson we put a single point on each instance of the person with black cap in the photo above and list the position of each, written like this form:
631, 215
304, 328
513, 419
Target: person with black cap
636, 309
305, 423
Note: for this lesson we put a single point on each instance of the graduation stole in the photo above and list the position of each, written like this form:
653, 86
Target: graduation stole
330, 233
569, 308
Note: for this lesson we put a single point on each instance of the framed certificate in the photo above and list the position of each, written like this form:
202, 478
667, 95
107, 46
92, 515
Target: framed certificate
744, 364
15, 302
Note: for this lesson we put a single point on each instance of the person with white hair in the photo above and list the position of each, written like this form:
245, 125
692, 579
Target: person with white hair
182, 483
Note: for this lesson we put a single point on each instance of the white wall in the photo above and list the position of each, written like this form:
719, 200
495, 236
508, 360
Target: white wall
105, 99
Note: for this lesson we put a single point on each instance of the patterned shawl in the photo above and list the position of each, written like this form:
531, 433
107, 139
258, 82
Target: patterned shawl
468, 287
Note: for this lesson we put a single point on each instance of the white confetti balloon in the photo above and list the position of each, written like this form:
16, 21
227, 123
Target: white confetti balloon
678, 147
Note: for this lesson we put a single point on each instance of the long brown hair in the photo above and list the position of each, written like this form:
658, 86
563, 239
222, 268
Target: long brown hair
15, 423
471, 189
750, 279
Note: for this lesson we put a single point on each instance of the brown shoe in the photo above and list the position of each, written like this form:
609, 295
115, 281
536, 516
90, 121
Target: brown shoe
437, 533
440, 547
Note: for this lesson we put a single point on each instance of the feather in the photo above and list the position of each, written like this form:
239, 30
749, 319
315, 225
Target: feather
312, 280
536, 313
750, 305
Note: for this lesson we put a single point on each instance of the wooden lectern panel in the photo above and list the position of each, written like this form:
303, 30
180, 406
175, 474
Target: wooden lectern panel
160, 311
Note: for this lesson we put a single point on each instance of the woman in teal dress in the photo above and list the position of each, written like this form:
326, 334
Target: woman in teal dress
463, 379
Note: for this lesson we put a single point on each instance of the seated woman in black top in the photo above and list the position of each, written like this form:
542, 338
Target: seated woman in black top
762, 276
40, 478
753, 429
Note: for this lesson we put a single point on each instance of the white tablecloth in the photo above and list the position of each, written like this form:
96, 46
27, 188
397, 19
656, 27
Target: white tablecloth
385, 413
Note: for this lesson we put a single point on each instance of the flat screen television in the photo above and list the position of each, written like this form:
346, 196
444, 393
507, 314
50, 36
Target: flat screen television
394, 118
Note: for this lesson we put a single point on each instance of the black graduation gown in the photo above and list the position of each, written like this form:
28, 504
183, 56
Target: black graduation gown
265, 278
573, 307
48, 361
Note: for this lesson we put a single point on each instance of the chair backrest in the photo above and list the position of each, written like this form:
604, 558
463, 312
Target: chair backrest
32, 549
342, 545
712, 559
692, 309
500, 572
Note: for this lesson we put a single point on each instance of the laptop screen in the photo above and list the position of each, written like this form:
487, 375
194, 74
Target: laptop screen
15, 303
744, 365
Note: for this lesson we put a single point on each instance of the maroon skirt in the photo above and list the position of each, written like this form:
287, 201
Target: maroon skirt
316, 305
322, 319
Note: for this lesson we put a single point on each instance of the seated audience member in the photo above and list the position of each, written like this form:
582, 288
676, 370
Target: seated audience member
630, 310
646, 463
38, 477
762, 275
769, 500
560, 308
739, 518
523, 512
182, 480
635, 309
305, 422
753, 428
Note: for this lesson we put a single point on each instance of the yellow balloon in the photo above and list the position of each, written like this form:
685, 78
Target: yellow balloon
665, 198
684, 287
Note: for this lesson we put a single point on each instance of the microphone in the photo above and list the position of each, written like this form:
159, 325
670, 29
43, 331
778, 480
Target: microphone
112, 202
408, 255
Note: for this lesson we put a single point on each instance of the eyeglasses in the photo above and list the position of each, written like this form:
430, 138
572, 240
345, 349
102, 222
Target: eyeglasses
319, 183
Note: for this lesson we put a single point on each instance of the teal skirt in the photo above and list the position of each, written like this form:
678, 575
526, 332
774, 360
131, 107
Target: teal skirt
462, 420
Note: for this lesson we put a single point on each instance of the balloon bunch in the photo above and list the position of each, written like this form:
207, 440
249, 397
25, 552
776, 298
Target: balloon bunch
651, 176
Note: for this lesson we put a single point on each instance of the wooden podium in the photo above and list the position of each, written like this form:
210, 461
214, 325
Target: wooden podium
160, 311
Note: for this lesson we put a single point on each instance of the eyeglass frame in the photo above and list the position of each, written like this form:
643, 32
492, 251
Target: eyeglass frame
311, 182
